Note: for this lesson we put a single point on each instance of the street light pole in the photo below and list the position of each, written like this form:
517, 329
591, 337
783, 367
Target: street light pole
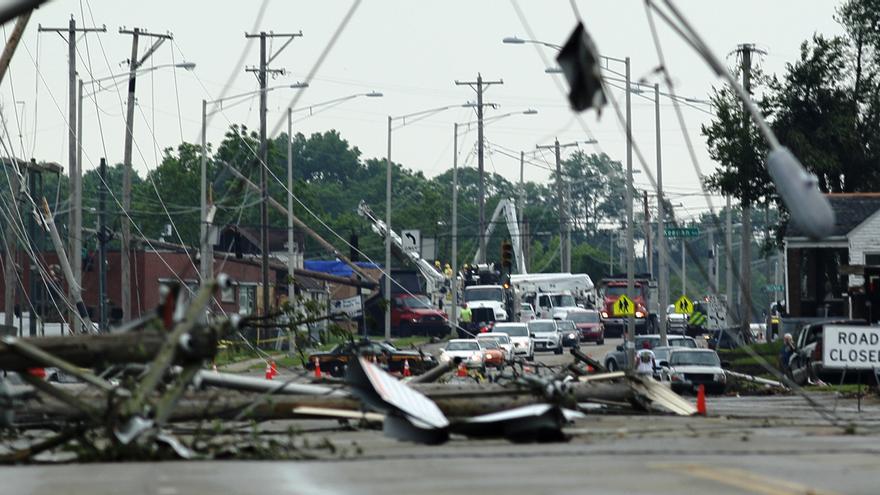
454, 281
388, 298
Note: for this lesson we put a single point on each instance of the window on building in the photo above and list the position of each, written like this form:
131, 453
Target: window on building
872, 259
227, 294
247, 299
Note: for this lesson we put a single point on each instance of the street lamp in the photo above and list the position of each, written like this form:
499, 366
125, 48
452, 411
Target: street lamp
76, 188
422, 114
454, 282
291, 263
206, 268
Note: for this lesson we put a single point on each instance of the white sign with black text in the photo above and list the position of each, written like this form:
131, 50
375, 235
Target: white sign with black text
350, 306
851, 347
412, 241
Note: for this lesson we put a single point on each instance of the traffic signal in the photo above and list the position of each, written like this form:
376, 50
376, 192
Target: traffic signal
507, 256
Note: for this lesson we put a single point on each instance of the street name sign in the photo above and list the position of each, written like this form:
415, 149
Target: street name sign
851, 347
681, 232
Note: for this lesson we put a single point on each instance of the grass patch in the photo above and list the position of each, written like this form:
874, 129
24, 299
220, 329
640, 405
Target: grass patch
407, 342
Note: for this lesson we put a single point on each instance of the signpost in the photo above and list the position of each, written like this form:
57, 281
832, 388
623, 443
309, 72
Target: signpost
851, 347
412, 241
684, 305
624, 306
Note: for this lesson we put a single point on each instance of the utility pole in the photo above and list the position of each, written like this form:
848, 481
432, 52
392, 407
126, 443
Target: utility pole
728, 275
10, 269
133, 65
630, 255
262, 72
648, 248
74, 163
291, 251
684, 276
564, 226
745, 310
662, 251
712, 256
104, 237
206, 267
479, 85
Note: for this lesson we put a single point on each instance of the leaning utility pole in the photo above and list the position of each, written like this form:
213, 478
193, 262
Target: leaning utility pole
564, 226
630, 254
649, 256
662, 250
104, 237
10, 270
745, 310
478, 86
74, 226
262, 72
133, 64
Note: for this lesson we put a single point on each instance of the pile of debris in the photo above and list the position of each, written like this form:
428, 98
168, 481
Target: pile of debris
155, 398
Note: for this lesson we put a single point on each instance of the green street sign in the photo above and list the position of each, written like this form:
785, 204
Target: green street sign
681, 232
774, 288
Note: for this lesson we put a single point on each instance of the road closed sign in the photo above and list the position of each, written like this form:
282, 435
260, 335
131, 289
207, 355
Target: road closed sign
851, 347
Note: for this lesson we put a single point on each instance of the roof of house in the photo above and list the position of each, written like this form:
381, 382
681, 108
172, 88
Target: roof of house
850, 210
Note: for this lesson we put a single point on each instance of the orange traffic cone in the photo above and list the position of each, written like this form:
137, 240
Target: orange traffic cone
317, 368
406, 371
701, 400
268, 372
462, 370
273, 368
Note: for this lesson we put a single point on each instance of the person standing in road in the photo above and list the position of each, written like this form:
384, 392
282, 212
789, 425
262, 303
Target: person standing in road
785, 354
464, 318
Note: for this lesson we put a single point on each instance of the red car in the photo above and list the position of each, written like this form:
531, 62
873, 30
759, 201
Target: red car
590, 325
414, 315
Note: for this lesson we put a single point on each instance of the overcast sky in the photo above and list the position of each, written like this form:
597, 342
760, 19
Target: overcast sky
412, 51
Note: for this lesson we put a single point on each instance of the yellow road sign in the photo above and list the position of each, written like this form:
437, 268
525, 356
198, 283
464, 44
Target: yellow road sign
624, 306
684, 305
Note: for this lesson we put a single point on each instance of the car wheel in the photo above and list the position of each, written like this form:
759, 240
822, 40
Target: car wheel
530, 357
611, 365
600, 341
558, 350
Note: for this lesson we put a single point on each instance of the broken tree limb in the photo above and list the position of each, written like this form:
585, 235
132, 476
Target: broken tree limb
12, 42
251, 384
580, 356
299, 223
755, 379
434, 373
35, 353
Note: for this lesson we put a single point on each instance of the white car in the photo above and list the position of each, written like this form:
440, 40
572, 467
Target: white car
675, 322
687, 369
503, 341
547, 335
468, 350
523, 344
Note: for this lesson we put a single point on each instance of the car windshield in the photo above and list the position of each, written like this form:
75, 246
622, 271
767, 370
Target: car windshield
542, 326
661, 353
585, 317
488, 343
694, 358
647, 343
618, 290
512, 330
562, 300
483, 294
500, 338
526, 307
689, 343
463, 346
566, 325
416, 302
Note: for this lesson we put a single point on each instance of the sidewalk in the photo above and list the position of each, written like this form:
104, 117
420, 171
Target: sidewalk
247, 364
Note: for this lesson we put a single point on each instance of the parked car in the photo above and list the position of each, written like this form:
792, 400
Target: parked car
805, 363
675, 322
468, 350
687, 369
616, 359
661, 354
523, 343
589, 324
503, 341
571, 336
526, 313
414, 315
335, 361
547, 335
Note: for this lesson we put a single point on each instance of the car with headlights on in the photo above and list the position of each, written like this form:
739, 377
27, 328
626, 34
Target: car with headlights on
467, 350
687, 369
616, 359
589, 324
503, 341
547, 335
523, 343
571, 336
493, 354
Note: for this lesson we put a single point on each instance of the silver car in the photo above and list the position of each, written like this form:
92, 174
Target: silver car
547, 335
